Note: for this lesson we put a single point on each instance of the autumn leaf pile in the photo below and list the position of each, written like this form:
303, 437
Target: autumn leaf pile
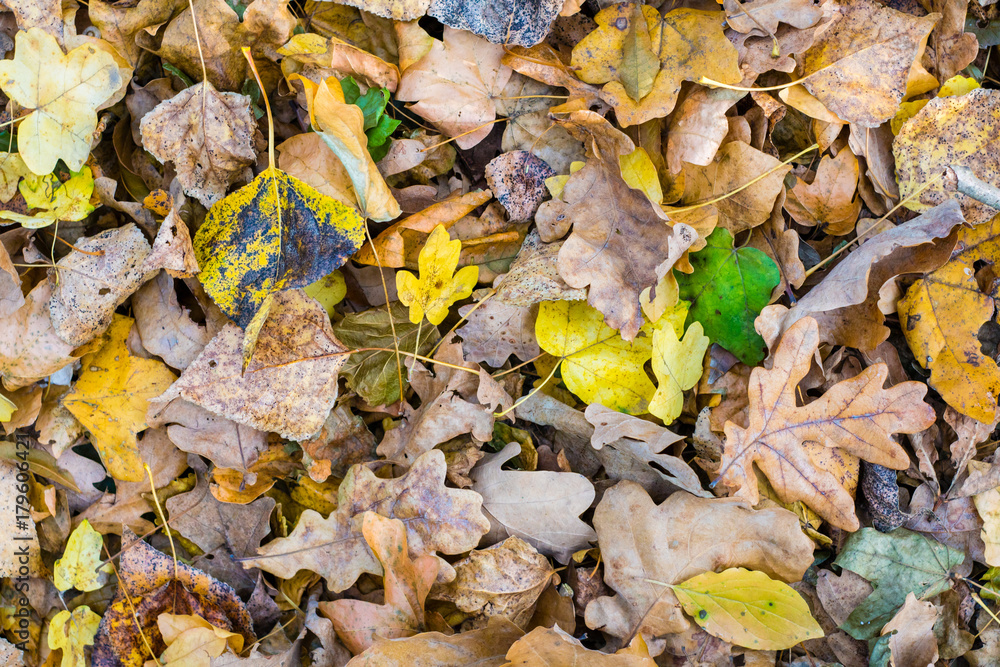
467, 332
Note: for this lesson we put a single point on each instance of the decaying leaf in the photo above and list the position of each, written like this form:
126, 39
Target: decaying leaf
30, 348
486, 646
856, 415
549, 647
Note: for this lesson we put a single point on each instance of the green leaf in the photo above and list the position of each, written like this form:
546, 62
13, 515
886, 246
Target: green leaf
255, 242
351, 89
727, 291
748, 608
896, 563
373, 374
379, 135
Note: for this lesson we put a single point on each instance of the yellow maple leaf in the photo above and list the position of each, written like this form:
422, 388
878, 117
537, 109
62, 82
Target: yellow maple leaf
111, 397
54, 200
438, 285
80, 566
64, 91
72, 632
676, 362
7, 408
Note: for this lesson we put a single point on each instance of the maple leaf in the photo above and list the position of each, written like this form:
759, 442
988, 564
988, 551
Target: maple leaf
72, 632
407, 583
80, 566
642, 57
68, 201
676, 365
454, 84
830, 199
856, 415
110, 399
438, 286
208, 136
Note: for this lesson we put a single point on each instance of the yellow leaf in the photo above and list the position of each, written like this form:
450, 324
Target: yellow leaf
192, 641
64, 90
438, 286
68, 201
639, 172
7, 408
72, 633
690, 44
953, 87
111, 397
988, 507
273, 234
80, 566
341, 126
598, 365
12, 169
676, 364
328, 290
748, 608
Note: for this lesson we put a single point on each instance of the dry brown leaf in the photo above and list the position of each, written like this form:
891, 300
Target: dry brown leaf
199, 517
517, 180
845, 302
173, 249
485, 647
27, 402
196, 430
11, 298
438, 519
751, 15
552, 647
316, 58
615, 252
120, 24
952, 49
207, 134
30, 348
343, 441
165, 327
911, 634
735, 165
20, 533
682, 537
541, 507
88, 286
129, 502
534, 276
781, 244
495, 330
856, 415
308, 158
454, 84
698, 125
859, 64
502, 580
289, 386
830, 200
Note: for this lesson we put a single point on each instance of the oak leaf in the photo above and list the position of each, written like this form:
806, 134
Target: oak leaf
642, 58
291, 384
199, 517
407, 582
830, 201
496, 330
553, 647
207, 134
111, 396
856, 415
194, 429
838, 68
64, 91
454, 84
485, 647
540, 507
616, 252
682, 537
676, 365
438, 519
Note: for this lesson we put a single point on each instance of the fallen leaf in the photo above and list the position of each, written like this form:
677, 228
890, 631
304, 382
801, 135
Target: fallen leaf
207, 134
727, 290
94, 279
454, 84
173, 249
502, 580
73, 632
308, 158
911, 633
165, 327
734, 167
64, 101
194, 429
321, 58
838, 68
988, 507
17, 525
856, 415
948, 131
399, 10
898, 564
438, 519
199, 517
289, 386
829, 201
768, 14
698, 126
643, 441
151, 583
438, 286
407, 582
274, 234
485, 647
506, 22
517, 180
191, 640
119, 25
682, 537
720, 603
495, 330
555, 499
551, 647
54, 200
534, 276
676, 365
111, 396
684, 44
80, 566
